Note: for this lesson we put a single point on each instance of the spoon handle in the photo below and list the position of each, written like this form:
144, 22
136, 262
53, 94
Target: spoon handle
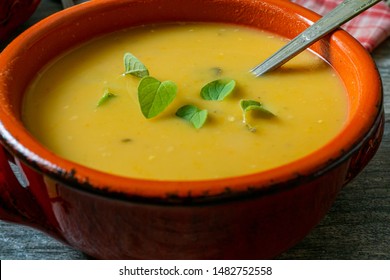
334, 19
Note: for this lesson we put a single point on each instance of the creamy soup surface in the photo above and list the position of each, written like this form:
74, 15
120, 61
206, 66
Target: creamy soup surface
307, 98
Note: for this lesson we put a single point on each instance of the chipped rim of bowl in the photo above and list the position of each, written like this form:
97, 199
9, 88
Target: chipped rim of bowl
358, 127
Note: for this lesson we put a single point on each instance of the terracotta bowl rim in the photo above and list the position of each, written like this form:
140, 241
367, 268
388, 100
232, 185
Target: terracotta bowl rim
16, 138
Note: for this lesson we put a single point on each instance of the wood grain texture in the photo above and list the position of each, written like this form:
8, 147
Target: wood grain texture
357, 226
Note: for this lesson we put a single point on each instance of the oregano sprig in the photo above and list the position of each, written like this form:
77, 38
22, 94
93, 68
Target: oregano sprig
248, 105
193, 114
218, 89
154, 96
105, 97
133, 66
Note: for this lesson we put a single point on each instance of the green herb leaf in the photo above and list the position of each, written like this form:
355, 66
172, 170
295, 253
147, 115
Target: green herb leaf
105, 97
218, 89
154, 96
193, 114
248, 105
134, 66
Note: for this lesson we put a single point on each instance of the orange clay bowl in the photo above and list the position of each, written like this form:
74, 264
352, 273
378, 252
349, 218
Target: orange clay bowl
112, 217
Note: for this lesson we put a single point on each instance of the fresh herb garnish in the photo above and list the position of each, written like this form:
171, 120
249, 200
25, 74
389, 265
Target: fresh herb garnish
133, 66
248, 105
154, 96
218, 89
105, 97
193, 114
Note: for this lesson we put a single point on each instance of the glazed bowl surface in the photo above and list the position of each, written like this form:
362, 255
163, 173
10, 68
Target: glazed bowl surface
252, 216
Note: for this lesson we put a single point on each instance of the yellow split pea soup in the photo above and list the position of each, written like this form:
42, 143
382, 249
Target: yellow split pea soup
307, 99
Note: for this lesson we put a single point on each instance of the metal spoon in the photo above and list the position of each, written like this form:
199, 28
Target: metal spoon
334, 19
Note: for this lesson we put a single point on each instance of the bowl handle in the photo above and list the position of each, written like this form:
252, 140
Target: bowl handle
367, 150
23, 197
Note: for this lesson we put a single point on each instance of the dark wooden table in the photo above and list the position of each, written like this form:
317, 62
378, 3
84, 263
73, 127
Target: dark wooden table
357, 226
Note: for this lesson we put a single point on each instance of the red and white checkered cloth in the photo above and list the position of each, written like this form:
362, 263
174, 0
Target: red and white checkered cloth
370, 28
